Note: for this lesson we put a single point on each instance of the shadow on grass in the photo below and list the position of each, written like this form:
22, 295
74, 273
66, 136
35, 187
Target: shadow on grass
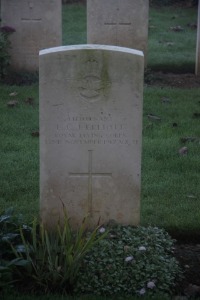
171, 68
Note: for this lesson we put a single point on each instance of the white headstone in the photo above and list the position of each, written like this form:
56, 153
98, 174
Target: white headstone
197, 68
118, 22
38, 25
90, 133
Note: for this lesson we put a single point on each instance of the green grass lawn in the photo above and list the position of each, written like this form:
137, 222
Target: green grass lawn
170, 182
74, 24
170, 189
172, 50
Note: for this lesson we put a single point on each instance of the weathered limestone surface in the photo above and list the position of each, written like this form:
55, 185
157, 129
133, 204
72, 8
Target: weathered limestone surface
38, 25
118, 22
90, 133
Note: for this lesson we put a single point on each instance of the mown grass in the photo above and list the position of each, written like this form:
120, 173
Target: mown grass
170, 182
170, 50
19, 172
74, 24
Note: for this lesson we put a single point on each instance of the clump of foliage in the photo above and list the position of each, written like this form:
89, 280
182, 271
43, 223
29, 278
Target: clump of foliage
9, 233
119, 260
5, 32
36, 258
130, 261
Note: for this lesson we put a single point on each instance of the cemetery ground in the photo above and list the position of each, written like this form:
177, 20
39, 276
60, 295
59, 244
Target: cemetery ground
171, 140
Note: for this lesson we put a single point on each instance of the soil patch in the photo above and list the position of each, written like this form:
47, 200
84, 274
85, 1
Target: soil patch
188, 256
183, 81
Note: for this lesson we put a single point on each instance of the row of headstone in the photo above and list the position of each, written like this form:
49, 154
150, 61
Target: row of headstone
38, 25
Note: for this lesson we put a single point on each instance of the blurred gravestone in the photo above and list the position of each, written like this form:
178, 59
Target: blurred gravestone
197, 69
38, 25
90, 133
118, 22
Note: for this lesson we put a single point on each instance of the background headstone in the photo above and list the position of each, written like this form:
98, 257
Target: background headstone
90, 133
197, 69
118, 22
38, 25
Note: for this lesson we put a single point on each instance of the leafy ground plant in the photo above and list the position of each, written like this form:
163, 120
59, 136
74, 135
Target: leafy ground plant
5, 46
130, 261
9, 233
49, 261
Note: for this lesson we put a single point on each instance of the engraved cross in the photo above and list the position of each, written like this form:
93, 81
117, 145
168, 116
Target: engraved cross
30, 18
90, 174
116, 23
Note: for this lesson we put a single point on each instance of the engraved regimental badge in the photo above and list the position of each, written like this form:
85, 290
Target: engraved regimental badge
94, 83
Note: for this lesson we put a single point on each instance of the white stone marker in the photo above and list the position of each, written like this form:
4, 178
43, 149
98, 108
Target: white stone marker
197, 67
38, 25
118, 22
90, 133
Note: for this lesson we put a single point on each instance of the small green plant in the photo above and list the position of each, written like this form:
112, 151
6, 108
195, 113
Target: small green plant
9, 233
5, 45
51, 260
130, 261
